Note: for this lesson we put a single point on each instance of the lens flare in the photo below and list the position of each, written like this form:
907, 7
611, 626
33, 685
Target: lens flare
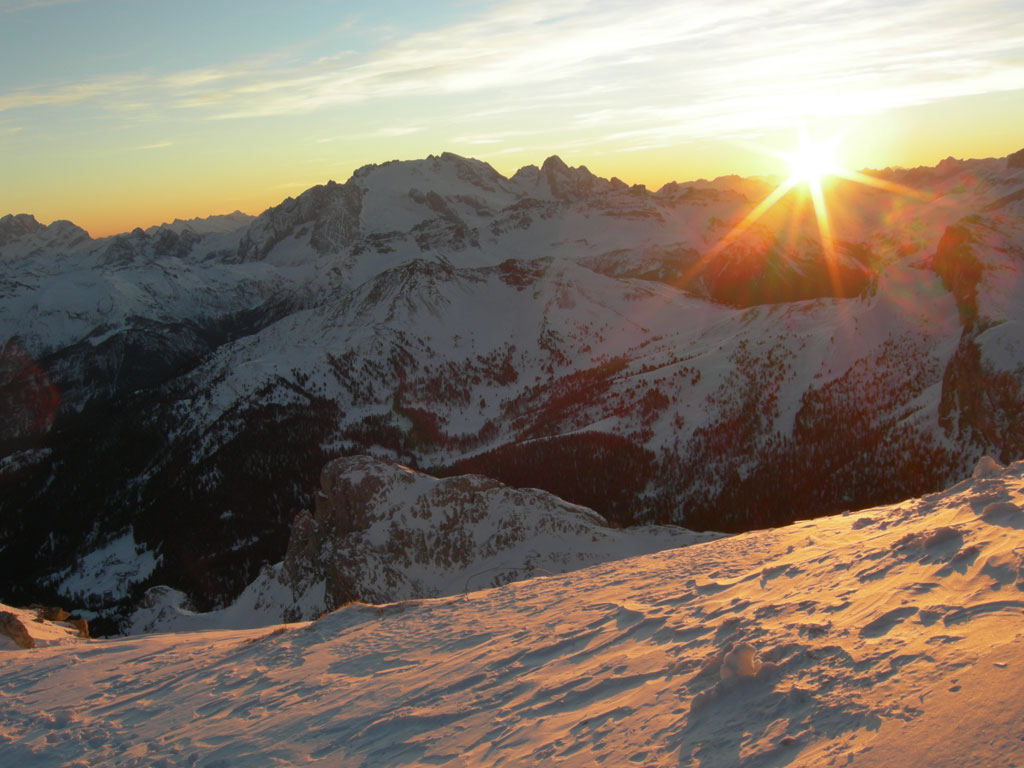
811, 162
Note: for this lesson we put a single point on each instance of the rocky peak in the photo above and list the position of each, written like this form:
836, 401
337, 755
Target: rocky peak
123, 250
949, 166
31, 237
13, 226
554, 165
571, 183
216, 224
475, 172
557, 180
332, 211
382, 532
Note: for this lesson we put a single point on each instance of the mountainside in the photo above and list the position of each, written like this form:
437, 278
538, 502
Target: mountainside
382, 533
621, 348
889, 636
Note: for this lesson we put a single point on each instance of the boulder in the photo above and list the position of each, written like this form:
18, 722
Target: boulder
12, 626
50, 613
78, 623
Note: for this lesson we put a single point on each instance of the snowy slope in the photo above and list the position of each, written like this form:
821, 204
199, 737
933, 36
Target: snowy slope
381, 533
890, 636
583, 287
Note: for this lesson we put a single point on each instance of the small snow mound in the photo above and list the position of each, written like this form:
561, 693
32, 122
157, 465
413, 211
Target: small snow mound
1001, 510
944, 534
987, 467
741, 661
741, 665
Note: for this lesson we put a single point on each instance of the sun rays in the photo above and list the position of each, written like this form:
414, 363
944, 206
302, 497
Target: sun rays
811, 165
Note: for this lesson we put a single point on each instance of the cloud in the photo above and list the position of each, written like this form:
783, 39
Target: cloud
663, 71
13, 6
399, 130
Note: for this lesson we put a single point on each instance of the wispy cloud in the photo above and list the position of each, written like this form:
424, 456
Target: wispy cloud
662, 72
159, 145
13, 6
402, 130
385, 132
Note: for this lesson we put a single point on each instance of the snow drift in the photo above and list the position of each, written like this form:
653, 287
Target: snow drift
890, 636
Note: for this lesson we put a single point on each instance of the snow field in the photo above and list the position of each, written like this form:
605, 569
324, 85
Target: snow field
890, 636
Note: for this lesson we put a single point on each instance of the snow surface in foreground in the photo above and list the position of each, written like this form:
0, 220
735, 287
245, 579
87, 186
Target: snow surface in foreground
887, 637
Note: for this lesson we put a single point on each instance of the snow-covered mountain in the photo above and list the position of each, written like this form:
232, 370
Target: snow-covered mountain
219, 224
552, 329
381, 533
889, 636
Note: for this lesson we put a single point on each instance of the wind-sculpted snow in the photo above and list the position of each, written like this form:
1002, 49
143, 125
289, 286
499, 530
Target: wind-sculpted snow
889, 636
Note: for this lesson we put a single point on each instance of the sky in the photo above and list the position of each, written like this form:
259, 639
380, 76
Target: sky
123, 113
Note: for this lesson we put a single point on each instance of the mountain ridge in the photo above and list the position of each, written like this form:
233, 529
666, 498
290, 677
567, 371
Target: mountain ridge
949, 164
435, 313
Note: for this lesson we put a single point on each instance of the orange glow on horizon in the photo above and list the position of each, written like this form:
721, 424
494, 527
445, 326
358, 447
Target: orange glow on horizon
129, 196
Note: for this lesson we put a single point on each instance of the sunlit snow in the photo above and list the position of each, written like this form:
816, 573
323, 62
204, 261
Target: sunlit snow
890, 636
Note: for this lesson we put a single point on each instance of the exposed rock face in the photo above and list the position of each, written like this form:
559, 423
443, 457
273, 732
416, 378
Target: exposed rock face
40, 626
331, 209
80, 624
57, 615
16, 226
1016, 160
11, 626
33, 237
50, 613
381, 532
960, 270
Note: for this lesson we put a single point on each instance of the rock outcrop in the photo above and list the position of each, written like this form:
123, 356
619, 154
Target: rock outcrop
382, 532
12, 626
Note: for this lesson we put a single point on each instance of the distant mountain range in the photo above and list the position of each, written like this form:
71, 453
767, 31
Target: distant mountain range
170, 396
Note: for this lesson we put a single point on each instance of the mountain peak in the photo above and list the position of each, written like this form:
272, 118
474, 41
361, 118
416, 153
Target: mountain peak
15, 225
35, 236
561, 181
554, 164
215, 224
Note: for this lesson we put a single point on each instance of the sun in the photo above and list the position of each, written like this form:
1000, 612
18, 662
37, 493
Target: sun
811, 161
809, 164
